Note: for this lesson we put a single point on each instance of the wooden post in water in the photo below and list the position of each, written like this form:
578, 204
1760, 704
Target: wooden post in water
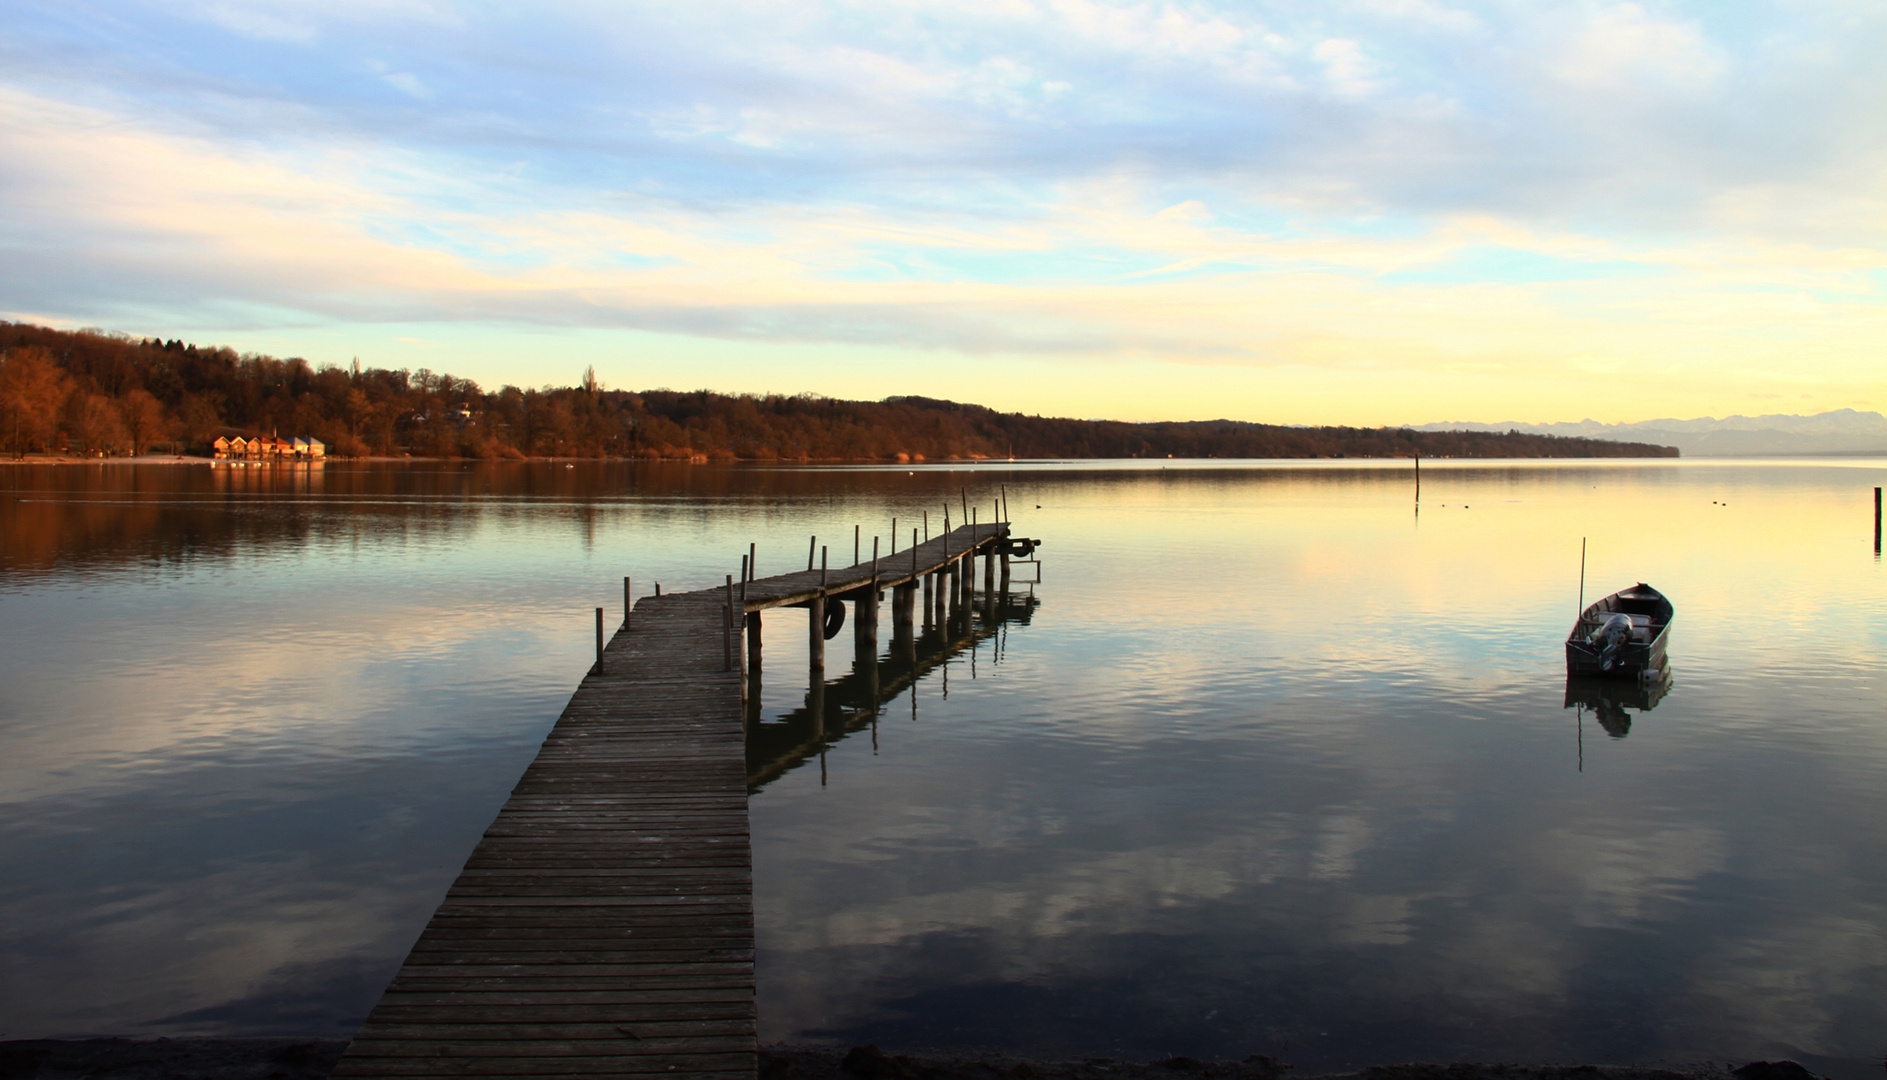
599, 641
927, 601
727, 627
1004, 557
816, 642
811, 546
894, 537
903, 599
855, 549
1877, 521
1418, 478
628, 601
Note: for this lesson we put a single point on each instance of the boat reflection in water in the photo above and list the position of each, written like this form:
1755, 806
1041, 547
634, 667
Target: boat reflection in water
1614, 701
846, 706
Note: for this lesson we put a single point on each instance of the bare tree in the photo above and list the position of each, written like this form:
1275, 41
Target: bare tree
32, 392
144, 419
94, 423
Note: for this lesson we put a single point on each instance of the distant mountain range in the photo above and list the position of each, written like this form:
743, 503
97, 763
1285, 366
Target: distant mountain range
1843, 431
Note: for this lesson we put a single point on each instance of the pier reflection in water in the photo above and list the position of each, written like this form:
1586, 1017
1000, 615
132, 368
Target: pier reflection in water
836, 709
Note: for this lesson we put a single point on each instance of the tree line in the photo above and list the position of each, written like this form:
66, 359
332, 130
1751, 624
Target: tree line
91, 393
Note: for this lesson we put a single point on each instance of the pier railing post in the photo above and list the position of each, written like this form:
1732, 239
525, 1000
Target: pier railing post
628, 602
599, 641
727, 627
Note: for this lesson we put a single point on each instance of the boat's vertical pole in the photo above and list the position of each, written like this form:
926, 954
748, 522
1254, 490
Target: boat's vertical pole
1580, 618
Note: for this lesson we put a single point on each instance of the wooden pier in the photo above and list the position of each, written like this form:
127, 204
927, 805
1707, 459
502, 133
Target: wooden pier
603, 926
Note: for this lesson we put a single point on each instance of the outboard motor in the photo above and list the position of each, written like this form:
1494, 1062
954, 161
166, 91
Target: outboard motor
1611, 639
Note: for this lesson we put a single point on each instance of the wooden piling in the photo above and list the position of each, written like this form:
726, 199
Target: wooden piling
727, 627
628, 602
811, 546
903, 599
599, 642
1877, 521
816, 643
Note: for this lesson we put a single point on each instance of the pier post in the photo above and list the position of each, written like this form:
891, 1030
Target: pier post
750, 694
865, 642
903, 599
864, 618
628, 600
1877, 521
753, 641
989, 568
599, 641
1005, 571
953, 584
816, 643
727, 627
928, 609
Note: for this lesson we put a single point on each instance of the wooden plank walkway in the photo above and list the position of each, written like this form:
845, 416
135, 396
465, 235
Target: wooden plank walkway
894, 568
603, 926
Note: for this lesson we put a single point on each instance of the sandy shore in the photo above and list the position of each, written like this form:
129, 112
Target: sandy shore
313, 1059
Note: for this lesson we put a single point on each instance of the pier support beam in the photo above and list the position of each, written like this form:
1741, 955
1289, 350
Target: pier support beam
816, 641
903, 601
865, 625
952, 586
929, 610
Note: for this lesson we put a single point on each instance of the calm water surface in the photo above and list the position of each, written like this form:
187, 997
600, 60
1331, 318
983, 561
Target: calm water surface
1268, 763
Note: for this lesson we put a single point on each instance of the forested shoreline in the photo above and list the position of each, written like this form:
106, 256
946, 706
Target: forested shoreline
88, 393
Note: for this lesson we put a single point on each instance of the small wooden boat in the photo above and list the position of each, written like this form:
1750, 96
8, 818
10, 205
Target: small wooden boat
1622, 635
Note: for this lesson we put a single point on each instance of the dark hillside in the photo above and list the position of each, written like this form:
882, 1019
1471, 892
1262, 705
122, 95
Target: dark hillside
89, 393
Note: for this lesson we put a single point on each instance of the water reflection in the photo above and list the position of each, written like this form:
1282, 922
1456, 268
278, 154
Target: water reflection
1269, 773
1613, 701
836, 709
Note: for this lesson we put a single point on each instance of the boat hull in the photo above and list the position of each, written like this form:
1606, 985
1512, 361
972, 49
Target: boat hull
1635, 658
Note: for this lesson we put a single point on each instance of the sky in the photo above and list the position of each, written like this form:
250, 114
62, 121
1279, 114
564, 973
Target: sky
1352, 211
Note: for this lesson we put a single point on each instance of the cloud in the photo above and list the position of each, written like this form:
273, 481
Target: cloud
1397, 180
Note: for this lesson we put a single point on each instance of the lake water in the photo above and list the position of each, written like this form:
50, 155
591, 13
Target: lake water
1267, 763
